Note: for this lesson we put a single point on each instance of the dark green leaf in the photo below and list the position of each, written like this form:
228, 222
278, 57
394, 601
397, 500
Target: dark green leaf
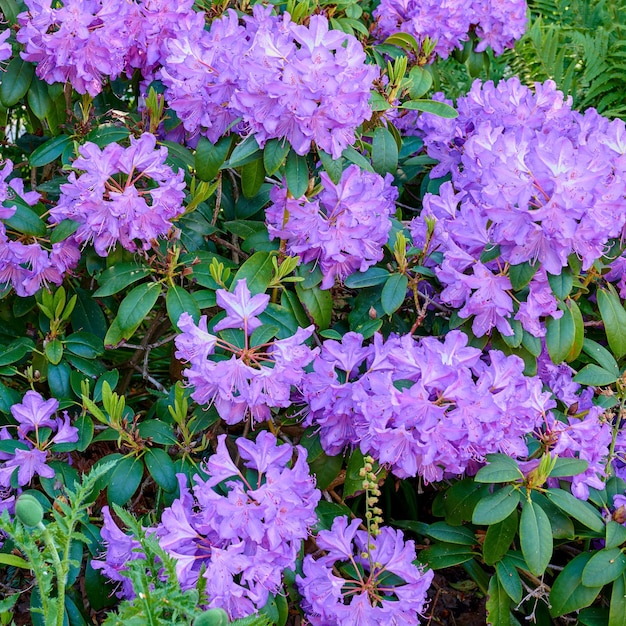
565, 466
498, 538
49, 151
16, 80
604, 567
441, 109
39, 99
498, 604
124, 480
274, 154
600, 355
595, 376
84, 344
87, 315
460, 500
15, 351
54, 351
118, 276
354, 156
210, 157
59, 380
179, 301
158, 432
105, 134
561, 284
394, 293
520, 275
405, 41
296, 174
615, 534
258, 272
63, 230
371, 277
568, 593
245, 152
333, 167
458, 535
578, 509
443, 555
509, 578
535, 535
421, 80
564, 336
617, 609
161, 468
317, 303
500, 469
326, 469
252, 177
614, 318
496, 506
26, 221
384, 151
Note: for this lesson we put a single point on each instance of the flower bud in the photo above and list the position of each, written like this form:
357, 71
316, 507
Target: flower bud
212, 617
29, 510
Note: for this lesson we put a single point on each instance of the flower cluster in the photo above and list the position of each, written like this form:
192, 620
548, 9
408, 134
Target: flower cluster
256, 378
5, 47
125, 195
363, 580
422, 407
450, 22
531, 176
283, 80
37, 430
343, 228
27, 265
241, 535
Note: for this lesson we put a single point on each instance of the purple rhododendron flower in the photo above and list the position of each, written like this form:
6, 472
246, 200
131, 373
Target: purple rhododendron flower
124, 195
5, 48
243, 536
343, 228
368, 597
241, 308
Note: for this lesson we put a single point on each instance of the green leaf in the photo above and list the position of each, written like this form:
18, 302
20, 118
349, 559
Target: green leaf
384, 151
460, 500
257, 270
105, 134
568, 593
133, 310
245, 152
561, 284
580, 510
604, 567
595, 376
63, 230
39, 99
496, 506
458, 535
16, 80
614, 318
252, 177
600, 355
615, 534
535, 535
54, 351
274, 154
158, 431
210, 157
394, 293
26, 221
404, 41
520, 275
564, 336
13, 561
333, 167
509, 578
87, 315
161, 468
59, 380
498, 538
326, 469
565, 466
179, 301
118, 276
617, 608
317, 303
296, 174
84, 344
498, 604
371, 277
421, 80
440, 109
49, 151
124, 480
15, 351
443, 555
354, 156
500, 469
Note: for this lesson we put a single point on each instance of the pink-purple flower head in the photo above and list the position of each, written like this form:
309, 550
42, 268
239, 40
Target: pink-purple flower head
363, 580
124, 195
241, 308
242, 536
344, 228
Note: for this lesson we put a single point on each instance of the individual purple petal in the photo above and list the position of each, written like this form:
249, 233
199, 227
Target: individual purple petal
241, 307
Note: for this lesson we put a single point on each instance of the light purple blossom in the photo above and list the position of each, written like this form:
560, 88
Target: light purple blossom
344, 227
124, 195
241, 308
331, 595
5, 48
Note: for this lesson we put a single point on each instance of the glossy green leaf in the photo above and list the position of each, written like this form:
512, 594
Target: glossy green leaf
579, 509
564, 336
565, 466
499, 537
509, 578
405, 41
59, 380
87, 315
274, 154
16, 80
535, 535
15, 351
296, 174
210, 157
394, 292
460, 500
614, 318
245, 152
317, 303
562, 283
520, 275
458, 535
384, 151
500, 468
326, 469
333, 167
498, 604
63, 230
354, 156
617, 608
124, 480
258, 272
133, 310
420, 81
595, 376
600, 355
252, 177
49, 151
38, 98
615, 534
105, 134
54, 351
179, 301
568, 593
161, 467
604, 567
26, 221
443, 555
371, 277
496, 506
84, 344
441, 109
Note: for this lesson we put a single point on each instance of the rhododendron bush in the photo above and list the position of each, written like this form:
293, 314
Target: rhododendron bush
294, 323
